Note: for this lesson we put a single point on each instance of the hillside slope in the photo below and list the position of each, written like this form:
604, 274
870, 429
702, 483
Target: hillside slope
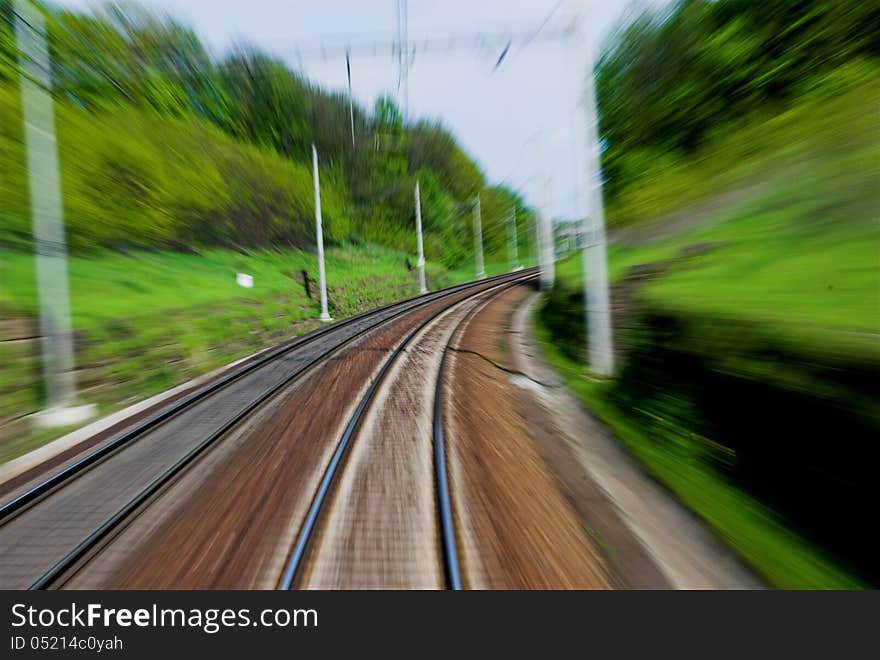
747, 321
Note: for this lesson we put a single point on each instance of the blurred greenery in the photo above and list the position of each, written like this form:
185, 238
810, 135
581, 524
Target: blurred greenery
133, 181
782, 557
163, 146
794, 247
179, 170
742, 155
145, 321
139, 284
675, 76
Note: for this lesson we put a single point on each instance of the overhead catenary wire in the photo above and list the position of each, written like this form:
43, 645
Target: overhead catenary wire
461, 40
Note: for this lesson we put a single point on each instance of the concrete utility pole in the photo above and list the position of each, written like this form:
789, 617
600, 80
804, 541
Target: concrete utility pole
536, 244
596, 294
44, 180
544, 224
548, 267
514, 243
548, 252
319, 233
478, 239
423, 287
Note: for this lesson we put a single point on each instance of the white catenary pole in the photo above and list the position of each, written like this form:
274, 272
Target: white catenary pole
548, 271
48, 220
544, 227
596, 295
536, 244
322, 277
514, 241
548, 253
423, 288
478, 239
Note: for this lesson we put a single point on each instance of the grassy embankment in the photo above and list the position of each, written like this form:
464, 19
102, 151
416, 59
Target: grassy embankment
160, 214
784, 213
147, 321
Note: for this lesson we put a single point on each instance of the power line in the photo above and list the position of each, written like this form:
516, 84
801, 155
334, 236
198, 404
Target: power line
405, 48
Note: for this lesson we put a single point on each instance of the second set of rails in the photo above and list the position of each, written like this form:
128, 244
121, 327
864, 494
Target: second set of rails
53, 527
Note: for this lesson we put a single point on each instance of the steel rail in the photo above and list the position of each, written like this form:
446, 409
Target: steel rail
82, 548
305, 537
441, 472
10, 508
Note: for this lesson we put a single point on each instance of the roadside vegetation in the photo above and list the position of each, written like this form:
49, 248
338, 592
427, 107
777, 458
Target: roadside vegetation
179, 170
743, 210
148, 320
164, 147
741, 154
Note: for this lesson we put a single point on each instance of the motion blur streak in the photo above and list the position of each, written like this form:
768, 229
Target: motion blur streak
741, 161
740, 155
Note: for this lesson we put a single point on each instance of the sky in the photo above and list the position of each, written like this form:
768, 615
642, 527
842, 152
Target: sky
518, 121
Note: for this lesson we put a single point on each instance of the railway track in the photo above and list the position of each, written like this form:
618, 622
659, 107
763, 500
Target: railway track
55, 525
372, 539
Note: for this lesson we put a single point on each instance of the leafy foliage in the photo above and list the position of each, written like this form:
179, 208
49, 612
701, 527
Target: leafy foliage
154, 136
134, 180
672, 77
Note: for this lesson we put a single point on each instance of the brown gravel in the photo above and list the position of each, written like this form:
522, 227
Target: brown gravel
236, 530
381, 531
515, 529
234, 526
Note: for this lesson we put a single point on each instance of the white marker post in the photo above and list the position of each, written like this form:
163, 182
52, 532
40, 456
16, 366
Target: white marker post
514, 241
478, 239
47, 211
596, 294
423, 287
319, 234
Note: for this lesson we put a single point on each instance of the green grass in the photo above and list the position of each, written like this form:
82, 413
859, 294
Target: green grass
620, 258
817, 290
782, 558
146, 321
112, 286
797, 253
798, 239
787, 210
836, 118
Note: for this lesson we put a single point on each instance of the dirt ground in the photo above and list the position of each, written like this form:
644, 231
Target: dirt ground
542, 498
381, 531
516, 530
648, 536
232, 524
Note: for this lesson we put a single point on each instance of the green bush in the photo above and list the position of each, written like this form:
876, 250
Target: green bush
133, 179
562, 313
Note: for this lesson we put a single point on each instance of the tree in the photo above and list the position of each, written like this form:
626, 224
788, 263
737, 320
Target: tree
669, 77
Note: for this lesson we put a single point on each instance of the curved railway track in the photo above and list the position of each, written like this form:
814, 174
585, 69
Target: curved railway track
444, 496
83, 518
305, 542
